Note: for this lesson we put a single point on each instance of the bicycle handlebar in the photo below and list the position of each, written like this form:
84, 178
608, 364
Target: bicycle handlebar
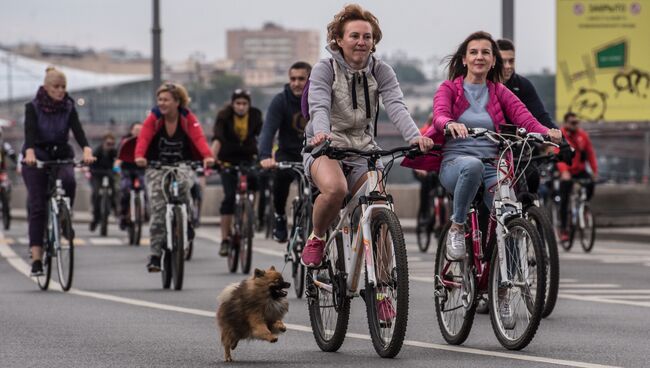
51, 163
335, 153
158, 165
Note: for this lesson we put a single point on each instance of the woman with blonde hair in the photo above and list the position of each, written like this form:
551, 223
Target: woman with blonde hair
49, 117
171, 133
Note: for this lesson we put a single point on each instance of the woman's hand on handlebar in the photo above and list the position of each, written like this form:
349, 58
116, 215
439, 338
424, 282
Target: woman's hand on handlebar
555, 135
208, 162
30, 157
319, 138
457, 130
141, 161
268, 163
88, 157
425, 143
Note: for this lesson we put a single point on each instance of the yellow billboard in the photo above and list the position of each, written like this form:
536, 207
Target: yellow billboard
603, 60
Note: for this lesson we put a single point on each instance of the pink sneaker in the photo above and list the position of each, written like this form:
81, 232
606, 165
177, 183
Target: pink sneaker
385, 309
312, 254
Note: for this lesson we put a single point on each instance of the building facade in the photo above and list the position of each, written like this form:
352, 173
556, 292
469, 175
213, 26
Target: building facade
263, 56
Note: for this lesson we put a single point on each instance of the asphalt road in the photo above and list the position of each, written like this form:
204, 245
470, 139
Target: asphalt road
118, 315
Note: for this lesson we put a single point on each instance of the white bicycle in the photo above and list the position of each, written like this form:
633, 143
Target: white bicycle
368, 233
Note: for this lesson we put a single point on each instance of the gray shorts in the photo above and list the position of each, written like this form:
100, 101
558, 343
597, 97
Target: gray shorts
353, 168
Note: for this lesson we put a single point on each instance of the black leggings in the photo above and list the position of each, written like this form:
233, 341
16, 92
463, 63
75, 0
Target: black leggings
229, 180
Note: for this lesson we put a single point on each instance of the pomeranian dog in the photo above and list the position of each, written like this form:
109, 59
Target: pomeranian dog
252, 309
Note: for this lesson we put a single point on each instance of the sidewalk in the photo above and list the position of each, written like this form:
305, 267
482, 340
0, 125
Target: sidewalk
639, 234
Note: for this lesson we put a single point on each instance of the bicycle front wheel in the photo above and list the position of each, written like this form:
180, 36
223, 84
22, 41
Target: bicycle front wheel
422, 233
329, 306
588, 232
517, 301
65, 249
6, 209
455, 293
44, 280
387, 302
247, 233
104, 212
177, 257
542, 223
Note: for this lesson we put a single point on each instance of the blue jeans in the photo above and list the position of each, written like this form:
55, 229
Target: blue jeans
463, 176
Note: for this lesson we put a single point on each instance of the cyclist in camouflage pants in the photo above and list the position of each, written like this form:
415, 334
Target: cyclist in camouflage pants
170, 134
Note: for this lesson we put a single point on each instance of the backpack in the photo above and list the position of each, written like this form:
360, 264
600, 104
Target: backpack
304, 99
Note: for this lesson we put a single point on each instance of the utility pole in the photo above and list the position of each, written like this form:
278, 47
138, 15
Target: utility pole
508, 19
155, 57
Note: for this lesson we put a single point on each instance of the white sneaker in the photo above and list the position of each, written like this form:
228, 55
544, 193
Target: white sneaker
455, 245
507, 317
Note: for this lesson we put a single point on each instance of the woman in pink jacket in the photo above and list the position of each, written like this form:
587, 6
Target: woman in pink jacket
472, 97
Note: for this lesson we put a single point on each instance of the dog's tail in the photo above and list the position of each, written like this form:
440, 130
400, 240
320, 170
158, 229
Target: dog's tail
226, 294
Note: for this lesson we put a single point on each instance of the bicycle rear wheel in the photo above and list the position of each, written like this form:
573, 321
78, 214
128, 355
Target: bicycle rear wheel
588, 233
306, 228
177, 258
135, 227
455, 299
246, 240
539, 219
387, 302
329, 306
65, 250
517, 303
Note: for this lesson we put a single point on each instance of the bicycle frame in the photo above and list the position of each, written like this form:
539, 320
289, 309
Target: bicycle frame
174, 200
360, 247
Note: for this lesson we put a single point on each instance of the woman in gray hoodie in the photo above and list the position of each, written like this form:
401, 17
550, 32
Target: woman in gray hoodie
344, 94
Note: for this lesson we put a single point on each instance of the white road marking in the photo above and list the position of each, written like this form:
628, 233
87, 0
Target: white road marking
587, 286
21, 266
105, 241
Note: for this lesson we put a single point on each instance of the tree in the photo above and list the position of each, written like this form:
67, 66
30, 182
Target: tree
409, 73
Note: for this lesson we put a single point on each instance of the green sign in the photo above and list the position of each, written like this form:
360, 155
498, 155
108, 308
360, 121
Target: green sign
612, 56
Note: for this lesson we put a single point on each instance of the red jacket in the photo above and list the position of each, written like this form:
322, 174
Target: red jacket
449, 103
584, 151
189, 123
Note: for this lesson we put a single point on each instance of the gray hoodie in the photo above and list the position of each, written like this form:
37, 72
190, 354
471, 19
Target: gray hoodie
350, 121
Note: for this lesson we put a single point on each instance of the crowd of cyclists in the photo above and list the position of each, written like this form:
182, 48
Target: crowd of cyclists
336, 104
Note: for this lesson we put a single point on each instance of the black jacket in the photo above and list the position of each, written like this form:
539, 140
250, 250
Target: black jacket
284, 114
524, 90
232, 150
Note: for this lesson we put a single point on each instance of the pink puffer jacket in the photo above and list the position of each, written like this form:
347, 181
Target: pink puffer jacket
449, 103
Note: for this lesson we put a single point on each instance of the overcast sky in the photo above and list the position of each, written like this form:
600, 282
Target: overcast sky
423, 29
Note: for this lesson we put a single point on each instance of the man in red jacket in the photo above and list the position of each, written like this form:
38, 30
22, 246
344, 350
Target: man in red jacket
584, 151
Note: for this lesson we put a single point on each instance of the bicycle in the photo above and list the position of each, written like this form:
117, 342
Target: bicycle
434, 220
5, 199
269, 216
581, 219
105, 194
59, 236
196, 193
508, 273
177, 221
137, 209
301, 207
241, 245
368, 230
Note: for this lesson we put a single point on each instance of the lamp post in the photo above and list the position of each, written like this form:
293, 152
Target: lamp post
155, 57
508, 19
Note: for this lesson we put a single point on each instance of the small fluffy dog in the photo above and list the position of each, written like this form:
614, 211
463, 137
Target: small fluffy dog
252, 309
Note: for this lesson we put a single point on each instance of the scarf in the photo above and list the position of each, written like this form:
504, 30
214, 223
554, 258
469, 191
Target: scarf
48, 105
